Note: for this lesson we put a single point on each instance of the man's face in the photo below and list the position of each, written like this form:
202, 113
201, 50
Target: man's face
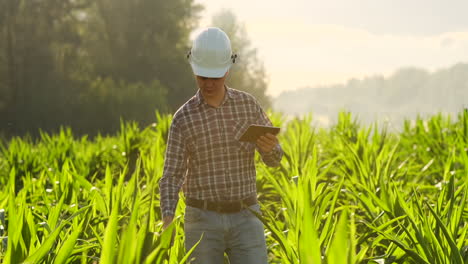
211, 87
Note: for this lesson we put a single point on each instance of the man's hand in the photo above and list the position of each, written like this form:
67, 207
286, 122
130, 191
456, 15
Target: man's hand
167, 220
267, 142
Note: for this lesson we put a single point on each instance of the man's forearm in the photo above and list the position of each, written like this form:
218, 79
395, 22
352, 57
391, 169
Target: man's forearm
175, 166
169, 195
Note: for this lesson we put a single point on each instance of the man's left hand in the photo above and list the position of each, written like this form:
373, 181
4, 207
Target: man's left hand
267, 142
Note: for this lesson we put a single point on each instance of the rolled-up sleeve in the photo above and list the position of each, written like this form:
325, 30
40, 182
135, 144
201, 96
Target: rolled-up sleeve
175, 168
272, 158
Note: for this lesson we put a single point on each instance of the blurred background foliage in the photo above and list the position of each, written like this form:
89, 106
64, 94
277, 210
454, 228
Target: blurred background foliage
87, 64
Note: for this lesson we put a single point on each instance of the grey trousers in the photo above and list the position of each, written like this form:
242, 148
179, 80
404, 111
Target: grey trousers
240, 235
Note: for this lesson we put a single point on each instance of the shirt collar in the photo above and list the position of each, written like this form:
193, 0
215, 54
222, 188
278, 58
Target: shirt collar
199, 98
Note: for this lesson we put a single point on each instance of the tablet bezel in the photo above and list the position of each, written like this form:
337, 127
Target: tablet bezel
253, 132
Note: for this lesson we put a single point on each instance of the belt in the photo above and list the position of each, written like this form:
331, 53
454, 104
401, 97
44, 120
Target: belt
222, 206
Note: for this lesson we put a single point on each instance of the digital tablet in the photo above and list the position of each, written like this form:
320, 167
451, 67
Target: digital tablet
255, 131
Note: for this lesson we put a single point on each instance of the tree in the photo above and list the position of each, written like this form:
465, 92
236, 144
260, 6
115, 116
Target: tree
86, 64
248, 73
38, 37
143, 41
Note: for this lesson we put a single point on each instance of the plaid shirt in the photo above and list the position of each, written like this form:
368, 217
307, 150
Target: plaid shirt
204, 155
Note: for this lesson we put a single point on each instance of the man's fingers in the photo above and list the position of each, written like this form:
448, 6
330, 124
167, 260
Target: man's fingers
271, 140
263, 143
271, 136
267, 143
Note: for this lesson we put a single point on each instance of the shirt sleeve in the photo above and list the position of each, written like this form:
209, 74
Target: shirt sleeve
272, 158
175, 168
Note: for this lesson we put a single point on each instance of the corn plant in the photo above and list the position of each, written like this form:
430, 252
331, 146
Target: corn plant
346, 194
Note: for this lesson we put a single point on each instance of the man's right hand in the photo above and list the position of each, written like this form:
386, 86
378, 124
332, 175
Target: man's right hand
167, 220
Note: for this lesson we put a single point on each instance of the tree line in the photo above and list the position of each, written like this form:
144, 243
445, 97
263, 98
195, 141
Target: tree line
406, 94
88, 64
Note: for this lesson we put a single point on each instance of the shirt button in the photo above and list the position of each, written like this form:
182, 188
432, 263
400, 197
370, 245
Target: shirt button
224, 150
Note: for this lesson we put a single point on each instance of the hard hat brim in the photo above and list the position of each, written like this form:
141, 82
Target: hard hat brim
209, 72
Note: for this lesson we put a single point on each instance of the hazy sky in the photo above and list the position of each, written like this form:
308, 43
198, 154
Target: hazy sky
311, 42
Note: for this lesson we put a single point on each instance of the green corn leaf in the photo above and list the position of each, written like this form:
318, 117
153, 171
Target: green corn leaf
46, 247
67, 248
110, 236
339, 247
455, 256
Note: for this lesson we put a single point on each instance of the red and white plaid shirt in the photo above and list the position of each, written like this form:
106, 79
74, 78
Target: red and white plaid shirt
204, 155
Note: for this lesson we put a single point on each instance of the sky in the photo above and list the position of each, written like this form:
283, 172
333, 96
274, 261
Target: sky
311, 43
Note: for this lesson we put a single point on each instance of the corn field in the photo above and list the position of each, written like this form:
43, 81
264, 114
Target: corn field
346, 194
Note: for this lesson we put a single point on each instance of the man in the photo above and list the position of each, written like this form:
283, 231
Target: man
217, 170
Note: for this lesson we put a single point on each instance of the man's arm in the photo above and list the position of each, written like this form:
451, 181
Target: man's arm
175, 167
167, 220
268, 146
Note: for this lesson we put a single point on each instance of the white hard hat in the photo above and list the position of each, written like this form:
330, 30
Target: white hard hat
211, 54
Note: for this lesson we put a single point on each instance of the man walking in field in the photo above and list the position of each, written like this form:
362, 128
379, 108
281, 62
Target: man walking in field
216, 170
